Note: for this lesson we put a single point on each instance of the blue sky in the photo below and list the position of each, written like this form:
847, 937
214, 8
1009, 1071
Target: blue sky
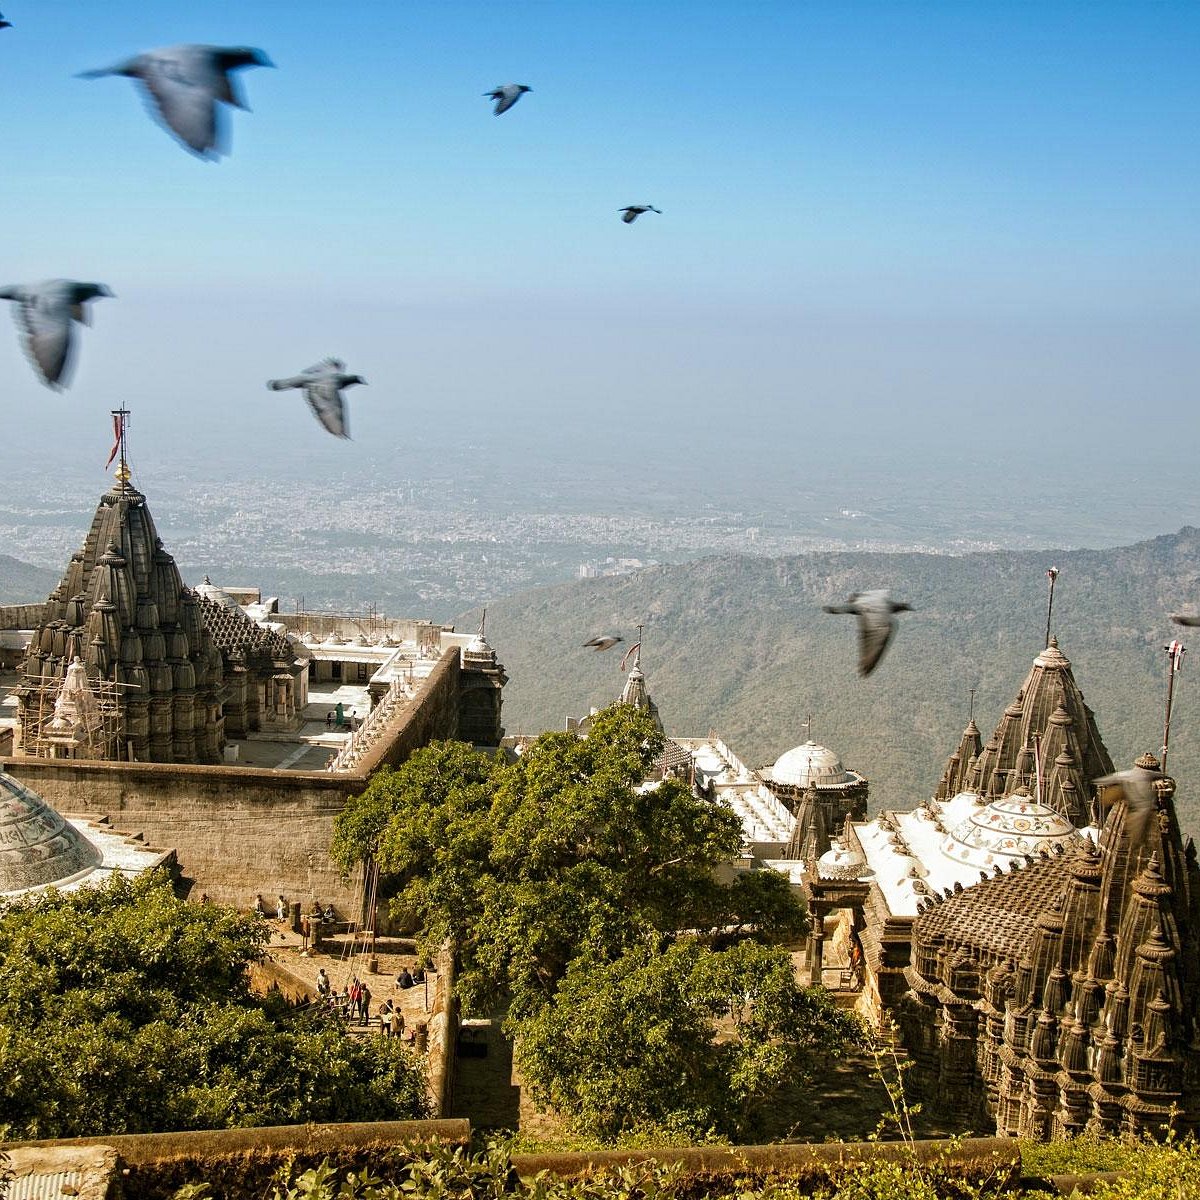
889, 229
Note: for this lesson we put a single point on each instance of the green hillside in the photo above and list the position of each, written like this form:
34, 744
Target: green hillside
740, 645
22, 583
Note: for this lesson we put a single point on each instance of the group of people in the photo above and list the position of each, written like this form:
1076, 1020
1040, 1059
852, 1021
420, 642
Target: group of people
316, 911
353, 1004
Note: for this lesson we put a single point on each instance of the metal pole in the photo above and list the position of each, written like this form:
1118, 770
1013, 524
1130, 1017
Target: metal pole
1052, 575
1175, 652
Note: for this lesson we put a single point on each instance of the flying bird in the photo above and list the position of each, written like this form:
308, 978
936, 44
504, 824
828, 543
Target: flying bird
3, 23
1137, 785
323, 384
184, 85
506, 95
1185, 619
603, 643
876, 613
633, 211
44, 314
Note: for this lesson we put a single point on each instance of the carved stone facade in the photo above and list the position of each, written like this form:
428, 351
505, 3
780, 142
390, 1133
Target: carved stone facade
1039, 953
122, 611
1062, 997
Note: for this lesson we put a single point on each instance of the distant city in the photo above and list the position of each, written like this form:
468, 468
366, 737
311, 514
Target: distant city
459, 528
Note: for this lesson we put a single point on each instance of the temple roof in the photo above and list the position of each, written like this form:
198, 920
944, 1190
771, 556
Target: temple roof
1048, 710
122, 609
1008, 828
232, 630
635, 691
995, 917
37, 847
811, 765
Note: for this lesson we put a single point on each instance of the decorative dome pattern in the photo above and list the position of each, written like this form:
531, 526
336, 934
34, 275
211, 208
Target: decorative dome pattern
37, 847
1006, 829
810, 764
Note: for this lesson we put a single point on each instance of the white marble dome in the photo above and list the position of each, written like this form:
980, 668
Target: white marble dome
1007, 829
840, 862
37, 847
210, 591
810, 764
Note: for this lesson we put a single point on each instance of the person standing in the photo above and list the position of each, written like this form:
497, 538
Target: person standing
364, 1005
281, 910
322, 983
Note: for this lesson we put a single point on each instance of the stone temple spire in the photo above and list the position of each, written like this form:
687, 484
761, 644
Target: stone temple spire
123, 611
635, 691
1049, 712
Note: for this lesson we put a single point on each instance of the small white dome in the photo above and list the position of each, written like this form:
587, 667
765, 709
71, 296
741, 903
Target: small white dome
210, 591
809, 764
838, 862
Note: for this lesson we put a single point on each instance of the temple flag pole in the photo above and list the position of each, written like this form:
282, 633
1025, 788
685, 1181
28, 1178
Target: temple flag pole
1052, 575
120, 445
1175, 652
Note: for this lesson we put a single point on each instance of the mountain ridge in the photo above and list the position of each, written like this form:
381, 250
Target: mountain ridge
740, 644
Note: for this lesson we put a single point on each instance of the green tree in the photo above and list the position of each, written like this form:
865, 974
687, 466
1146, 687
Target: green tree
686, 1039
123, 1009
526, 865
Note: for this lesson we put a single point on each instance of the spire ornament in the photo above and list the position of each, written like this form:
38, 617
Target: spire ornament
120, 418
1175, 652
1052, 575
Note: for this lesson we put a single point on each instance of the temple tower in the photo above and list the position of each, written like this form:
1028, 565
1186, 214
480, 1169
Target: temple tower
122, 611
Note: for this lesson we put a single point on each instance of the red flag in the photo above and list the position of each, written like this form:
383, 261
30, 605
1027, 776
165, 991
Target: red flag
635, 646
118, 433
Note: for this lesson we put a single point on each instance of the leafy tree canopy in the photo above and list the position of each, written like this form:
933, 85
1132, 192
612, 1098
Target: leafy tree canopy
529, 864
123, 1009
688, 1039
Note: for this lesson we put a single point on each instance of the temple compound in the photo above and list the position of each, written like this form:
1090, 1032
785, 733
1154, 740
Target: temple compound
1038, 952
211, 723
1037, 947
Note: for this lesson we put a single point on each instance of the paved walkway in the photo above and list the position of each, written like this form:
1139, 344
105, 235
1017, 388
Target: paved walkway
344, 957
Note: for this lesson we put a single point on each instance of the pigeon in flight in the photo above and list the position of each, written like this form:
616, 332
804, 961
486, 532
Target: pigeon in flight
633, 211
183, 86
323, 384
1185, 619
3, 23
506, 96
44, 314
1137, 785
876, 613
603, 643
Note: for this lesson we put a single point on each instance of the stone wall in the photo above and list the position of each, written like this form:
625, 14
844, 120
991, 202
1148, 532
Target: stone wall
240, 830
20, 616
324, 624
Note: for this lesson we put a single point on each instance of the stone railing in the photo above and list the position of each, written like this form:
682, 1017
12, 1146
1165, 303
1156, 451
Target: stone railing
377, 721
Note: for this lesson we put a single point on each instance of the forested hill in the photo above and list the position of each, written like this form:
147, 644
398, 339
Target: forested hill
740, 645
22, 583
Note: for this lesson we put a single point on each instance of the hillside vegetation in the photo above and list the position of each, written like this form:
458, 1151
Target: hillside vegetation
740, 645
23, 583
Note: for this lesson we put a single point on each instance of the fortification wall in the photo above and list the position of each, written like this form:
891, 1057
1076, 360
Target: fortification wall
240, 830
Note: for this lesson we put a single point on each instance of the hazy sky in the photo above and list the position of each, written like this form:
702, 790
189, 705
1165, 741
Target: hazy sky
892, 232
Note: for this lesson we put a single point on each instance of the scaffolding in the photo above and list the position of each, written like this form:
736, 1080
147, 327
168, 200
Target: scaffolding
73, 717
